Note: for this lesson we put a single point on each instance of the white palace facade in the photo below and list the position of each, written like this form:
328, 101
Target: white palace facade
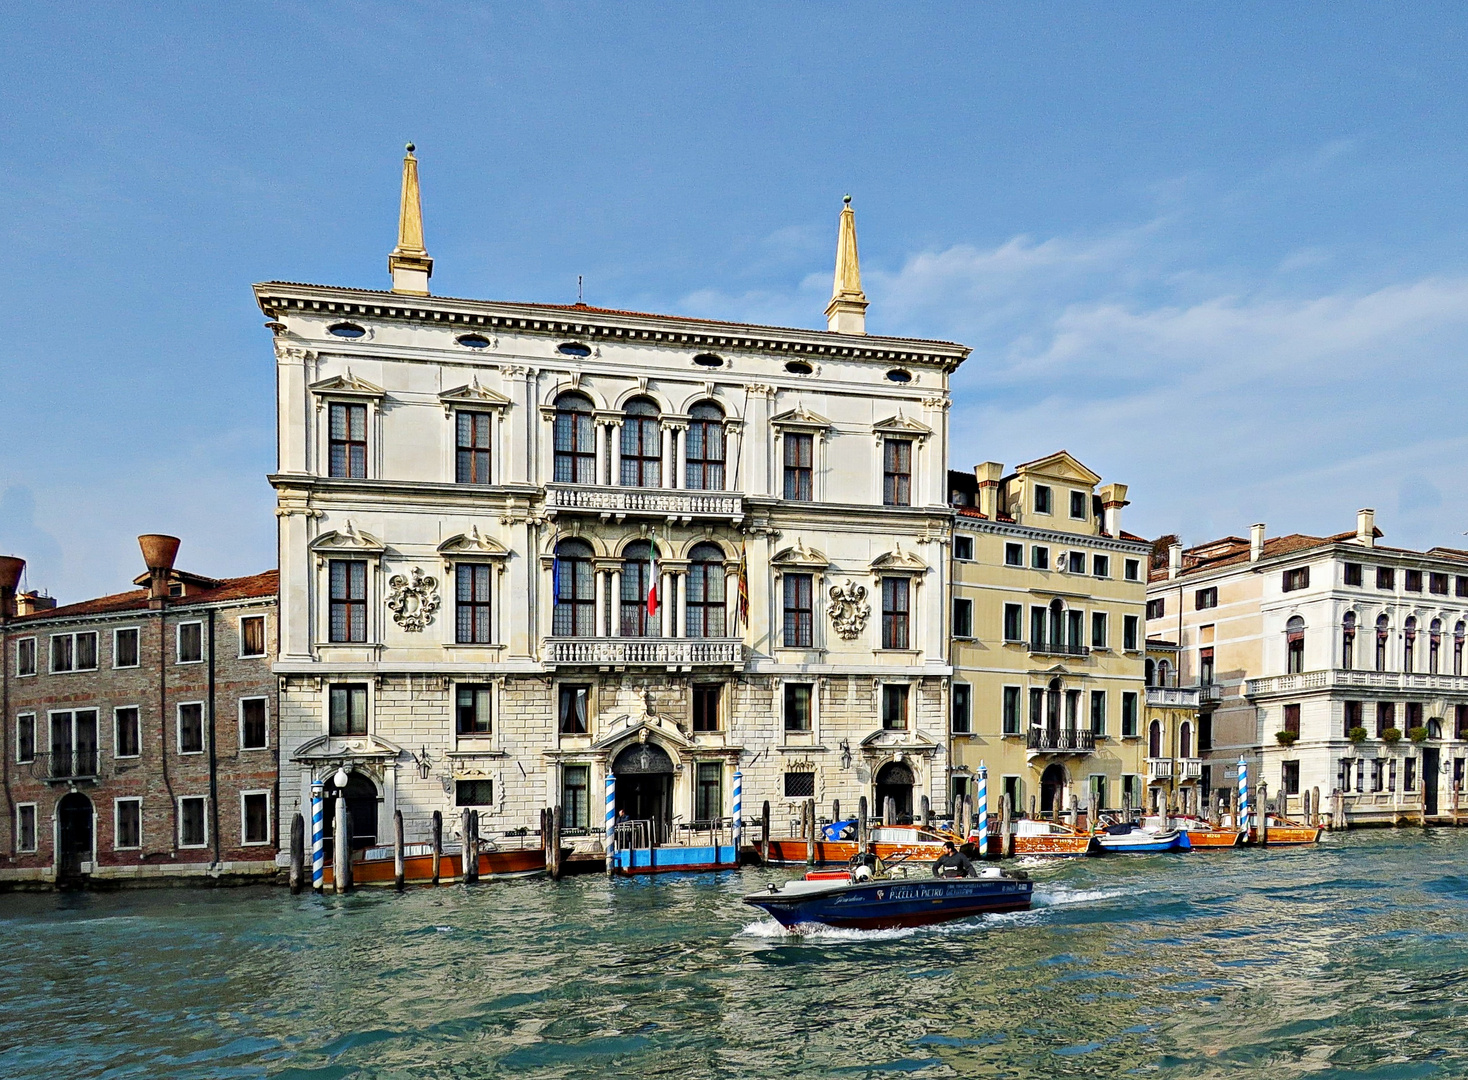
476, 498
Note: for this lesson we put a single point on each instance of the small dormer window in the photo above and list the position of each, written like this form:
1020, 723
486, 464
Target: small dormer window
573, 348
473, 341
346, 330
708, 360
898, 375
175, 589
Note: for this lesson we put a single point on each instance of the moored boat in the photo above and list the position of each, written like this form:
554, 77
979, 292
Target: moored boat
1202, 834
374, 866
917, 843
1128, 836
881, 902
1282, 832
1050, 838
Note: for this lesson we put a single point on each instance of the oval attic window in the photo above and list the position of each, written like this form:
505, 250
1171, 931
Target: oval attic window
573, 348
474, 341
798, 367
346, 330
708, 360
898, 375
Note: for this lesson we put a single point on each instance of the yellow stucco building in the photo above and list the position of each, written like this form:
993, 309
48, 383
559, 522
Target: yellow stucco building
1048, 621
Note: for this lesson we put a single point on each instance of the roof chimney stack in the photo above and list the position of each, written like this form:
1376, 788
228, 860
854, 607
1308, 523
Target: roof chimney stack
989, 474
1366, 527
1174, 560
1113, 498
1256, 541
159, 551
10, 571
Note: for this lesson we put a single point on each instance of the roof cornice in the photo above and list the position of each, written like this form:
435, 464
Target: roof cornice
277, 298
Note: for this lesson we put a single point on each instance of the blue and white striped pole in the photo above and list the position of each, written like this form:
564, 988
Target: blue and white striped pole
1243, 796
983, 811
738, 811
611, 820
318, 837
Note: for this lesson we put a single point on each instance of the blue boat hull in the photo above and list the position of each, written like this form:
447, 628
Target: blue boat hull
667, 859
887, 904
1142, 844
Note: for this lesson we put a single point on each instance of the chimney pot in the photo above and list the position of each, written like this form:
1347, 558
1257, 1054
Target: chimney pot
1174, 560
989, 474
10, 571
159, 551
1366, 527
1256, 541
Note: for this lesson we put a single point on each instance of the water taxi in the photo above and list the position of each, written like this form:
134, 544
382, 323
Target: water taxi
1202, 834
918, 843
871, 896
1129, 836
1051, 838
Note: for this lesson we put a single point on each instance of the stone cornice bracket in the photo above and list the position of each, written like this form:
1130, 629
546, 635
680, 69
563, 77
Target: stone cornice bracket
761, 389
292, 353
937, 402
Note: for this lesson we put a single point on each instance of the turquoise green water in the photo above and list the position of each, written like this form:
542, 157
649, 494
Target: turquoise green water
1349, 959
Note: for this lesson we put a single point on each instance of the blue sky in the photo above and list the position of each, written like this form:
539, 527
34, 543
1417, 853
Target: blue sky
1216, 251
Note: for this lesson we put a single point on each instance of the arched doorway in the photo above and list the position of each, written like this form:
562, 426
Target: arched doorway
644, 773
1185, 740
1052, 789
73, 834
361, 796
894, 781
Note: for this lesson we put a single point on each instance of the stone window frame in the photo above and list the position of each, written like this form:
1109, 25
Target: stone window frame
116, 742
350, 546
264, 635
474, 398
269, 818
178, 629
240, 718
204, 800
346, 390
117, 822
35, 844
814, 729
178, 709
116, 630
32, 717
35, 662
73, 635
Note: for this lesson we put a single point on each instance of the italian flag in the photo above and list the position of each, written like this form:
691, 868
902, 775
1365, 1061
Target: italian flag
652, 577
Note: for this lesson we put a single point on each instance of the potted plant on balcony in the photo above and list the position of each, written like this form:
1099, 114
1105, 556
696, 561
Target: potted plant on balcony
1417, 734
1391, 735
1286, 738
1357, 734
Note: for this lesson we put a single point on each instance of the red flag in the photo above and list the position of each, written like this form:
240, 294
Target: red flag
743, 586
652, 583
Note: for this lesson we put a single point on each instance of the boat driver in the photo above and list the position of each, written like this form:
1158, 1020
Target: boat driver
953, 863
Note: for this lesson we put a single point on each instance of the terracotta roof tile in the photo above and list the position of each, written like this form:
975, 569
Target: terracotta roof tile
240, 588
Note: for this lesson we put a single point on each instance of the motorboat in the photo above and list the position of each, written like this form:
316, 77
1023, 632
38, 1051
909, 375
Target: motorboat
1129, 836
872, 896
1041, 837
837, 844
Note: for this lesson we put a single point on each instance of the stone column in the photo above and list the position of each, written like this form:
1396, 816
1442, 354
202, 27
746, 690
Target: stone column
616, 429
731, 602
599, 429
682, 627
680, 456
601, 592
733, 458
615, 630
668, 437
665, 627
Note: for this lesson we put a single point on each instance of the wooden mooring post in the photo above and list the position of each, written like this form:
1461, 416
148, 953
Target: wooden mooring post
1006, 837
764, 831
557, 820
397, 849
298, 854
808, 827
861, 824
468, 850
341, 851
1263, 832
437, 843
925, 811
835, 809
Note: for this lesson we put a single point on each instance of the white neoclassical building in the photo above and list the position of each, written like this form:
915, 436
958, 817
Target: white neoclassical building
525, 544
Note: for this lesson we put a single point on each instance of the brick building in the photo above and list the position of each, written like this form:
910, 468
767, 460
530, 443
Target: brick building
139, 740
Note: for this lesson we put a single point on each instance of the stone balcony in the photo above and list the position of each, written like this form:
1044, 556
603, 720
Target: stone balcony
616, 503
1341, 679
644, 652
1159, 769
1189, 768
1172, 697
1064, 741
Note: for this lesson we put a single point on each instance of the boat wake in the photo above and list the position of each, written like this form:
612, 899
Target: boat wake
1057, 895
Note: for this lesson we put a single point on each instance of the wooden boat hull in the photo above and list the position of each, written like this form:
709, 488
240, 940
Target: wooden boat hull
891, 903
1287, 835
1053, 846
418, 869
840, 852
1215, 838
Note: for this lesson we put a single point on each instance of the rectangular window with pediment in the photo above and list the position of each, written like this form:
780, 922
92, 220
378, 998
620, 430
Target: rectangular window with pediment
472, 623
472, 450
799, 467
348, 600
897, 472
799, 611
895, 612
347, 454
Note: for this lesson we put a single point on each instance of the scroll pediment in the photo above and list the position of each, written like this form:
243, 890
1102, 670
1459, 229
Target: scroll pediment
653, 730
801, 556
347, 385
897, 559
345, 748
348, 540
801, 417
481, 397
473, 543
904, 740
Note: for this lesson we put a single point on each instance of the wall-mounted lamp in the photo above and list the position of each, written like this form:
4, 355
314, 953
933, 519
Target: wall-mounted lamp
424, 765
845, 754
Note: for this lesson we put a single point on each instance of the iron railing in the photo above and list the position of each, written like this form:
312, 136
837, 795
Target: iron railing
653, 651
1065, 741
79, 764
1059, 648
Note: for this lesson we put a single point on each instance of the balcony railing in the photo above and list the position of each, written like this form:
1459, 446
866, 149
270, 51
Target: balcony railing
644, 502
1159, 768
1190, 768
1058, 648
1339, 678
1209, 692
654, 652
66, 765
1177, 697
1060, 742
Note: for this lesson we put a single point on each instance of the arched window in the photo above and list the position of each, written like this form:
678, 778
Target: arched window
1434, 644
1185, 740
574, 589
705, 447
1164, 672
1459, 632
1409, 641
705, 604
1383, 633
636, 583
642, 445
1154, 739
1052, 709
1057, 625
1151, 672
1295, 645
575, 437
1348, 640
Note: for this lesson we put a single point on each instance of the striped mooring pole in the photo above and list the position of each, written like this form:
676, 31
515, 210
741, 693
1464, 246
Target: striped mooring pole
611, 820
318, 837
1243, 796
738, 812
983, 811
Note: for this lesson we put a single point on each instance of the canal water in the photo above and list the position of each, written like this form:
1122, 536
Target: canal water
1348, 959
